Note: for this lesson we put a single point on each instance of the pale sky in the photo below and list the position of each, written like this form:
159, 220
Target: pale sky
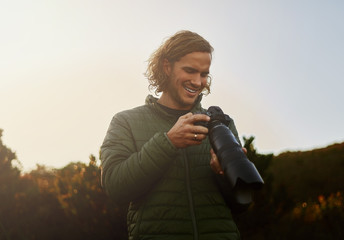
66, 67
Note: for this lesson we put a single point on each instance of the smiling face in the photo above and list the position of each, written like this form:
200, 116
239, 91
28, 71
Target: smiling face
187, 79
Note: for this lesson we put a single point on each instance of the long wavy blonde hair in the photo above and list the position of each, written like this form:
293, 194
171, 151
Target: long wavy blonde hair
173, 49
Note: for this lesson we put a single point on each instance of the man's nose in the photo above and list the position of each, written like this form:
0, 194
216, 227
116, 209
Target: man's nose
196, 81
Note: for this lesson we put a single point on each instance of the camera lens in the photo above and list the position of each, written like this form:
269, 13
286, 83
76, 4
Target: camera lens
237, 168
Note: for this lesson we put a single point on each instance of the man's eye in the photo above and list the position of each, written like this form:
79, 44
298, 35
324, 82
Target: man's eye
204, 74
189, 70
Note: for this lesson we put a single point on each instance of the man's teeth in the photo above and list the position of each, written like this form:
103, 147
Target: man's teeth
190, 90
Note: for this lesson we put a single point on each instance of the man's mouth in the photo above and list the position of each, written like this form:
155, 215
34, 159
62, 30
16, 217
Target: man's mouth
190, 90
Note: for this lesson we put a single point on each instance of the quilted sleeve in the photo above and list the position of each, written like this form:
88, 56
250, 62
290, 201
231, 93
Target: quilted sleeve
127, 173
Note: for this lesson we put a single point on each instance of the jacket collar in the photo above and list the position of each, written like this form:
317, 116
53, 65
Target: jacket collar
152, 102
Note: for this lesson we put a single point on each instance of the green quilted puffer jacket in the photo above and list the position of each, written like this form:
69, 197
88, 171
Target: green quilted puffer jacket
173, 193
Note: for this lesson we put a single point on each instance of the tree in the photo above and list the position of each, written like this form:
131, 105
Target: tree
253, 223
85, 203
9, 177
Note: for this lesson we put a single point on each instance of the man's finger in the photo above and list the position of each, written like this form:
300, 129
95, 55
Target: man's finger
186, 116
200, 118
215, 164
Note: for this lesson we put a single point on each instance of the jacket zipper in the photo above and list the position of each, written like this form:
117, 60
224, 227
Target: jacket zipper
190, 198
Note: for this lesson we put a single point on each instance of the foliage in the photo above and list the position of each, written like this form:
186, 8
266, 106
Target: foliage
291, 205
302, 198
308, 174
66, 203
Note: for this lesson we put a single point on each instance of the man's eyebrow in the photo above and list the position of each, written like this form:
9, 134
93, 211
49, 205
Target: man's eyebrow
190, 68
194, 69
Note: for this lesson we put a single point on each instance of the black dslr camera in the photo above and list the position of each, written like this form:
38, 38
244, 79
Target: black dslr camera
239, 171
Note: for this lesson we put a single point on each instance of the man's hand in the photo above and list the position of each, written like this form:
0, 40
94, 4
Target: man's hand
215, 164
184, 133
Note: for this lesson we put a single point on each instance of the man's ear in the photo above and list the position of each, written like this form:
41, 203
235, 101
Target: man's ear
167, 67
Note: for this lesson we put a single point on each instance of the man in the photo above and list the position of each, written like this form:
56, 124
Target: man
155, 157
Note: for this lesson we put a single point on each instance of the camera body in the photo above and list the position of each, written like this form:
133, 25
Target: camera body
238, 169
